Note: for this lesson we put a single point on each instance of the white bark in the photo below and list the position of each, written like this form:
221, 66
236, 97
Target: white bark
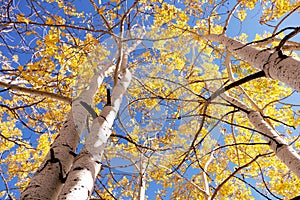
48, 180
266, 127
274, 66
281, 149
81, 178
87, 96
206, 191
142, 177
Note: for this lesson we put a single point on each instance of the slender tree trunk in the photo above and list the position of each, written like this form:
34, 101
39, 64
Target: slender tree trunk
206, 191
142, 177
282, 150
81, 178
48, 180
274, 64
80, 181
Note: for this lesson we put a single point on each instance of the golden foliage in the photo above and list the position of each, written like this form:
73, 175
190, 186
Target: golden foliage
166, 119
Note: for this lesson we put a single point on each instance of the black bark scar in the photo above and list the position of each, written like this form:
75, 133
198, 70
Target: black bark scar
55, 160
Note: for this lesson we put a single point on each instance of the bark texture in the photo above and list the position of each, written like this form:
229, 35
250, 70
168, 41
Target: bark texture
282, 150
275, 65
48, 180
80, 181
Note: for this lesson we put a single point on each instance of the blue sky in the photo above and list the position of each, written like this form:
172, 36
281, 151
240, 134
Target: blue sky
250, 26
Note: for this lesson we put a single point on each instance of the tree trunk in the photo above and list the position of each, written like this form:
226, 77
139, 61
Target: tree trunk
47, 181
274, 64
142, 177
80, 181
277, 67
281, 149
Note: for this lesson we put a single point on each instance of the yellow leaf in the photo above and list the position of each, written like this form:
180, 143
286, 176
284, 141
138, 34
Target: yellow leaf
28, 33
49, 21
15, 58
26, 20
39, 42
101, 10
2, 193
242, 15
20, 17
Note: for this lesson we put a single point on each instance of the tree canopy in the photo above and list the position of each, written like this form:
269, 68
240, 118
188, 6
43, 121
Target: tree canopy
192, 101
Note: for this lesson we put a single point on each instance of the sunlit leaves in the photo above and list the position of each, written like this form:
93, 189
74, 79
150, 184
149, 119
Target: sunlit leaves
22, 154
249, 4
276, 9
175, 71
168, 14
15, 58
242, 15
22, 18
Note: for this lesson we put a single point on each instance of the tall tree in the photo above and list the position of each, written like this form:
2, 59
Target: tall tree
198, 109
